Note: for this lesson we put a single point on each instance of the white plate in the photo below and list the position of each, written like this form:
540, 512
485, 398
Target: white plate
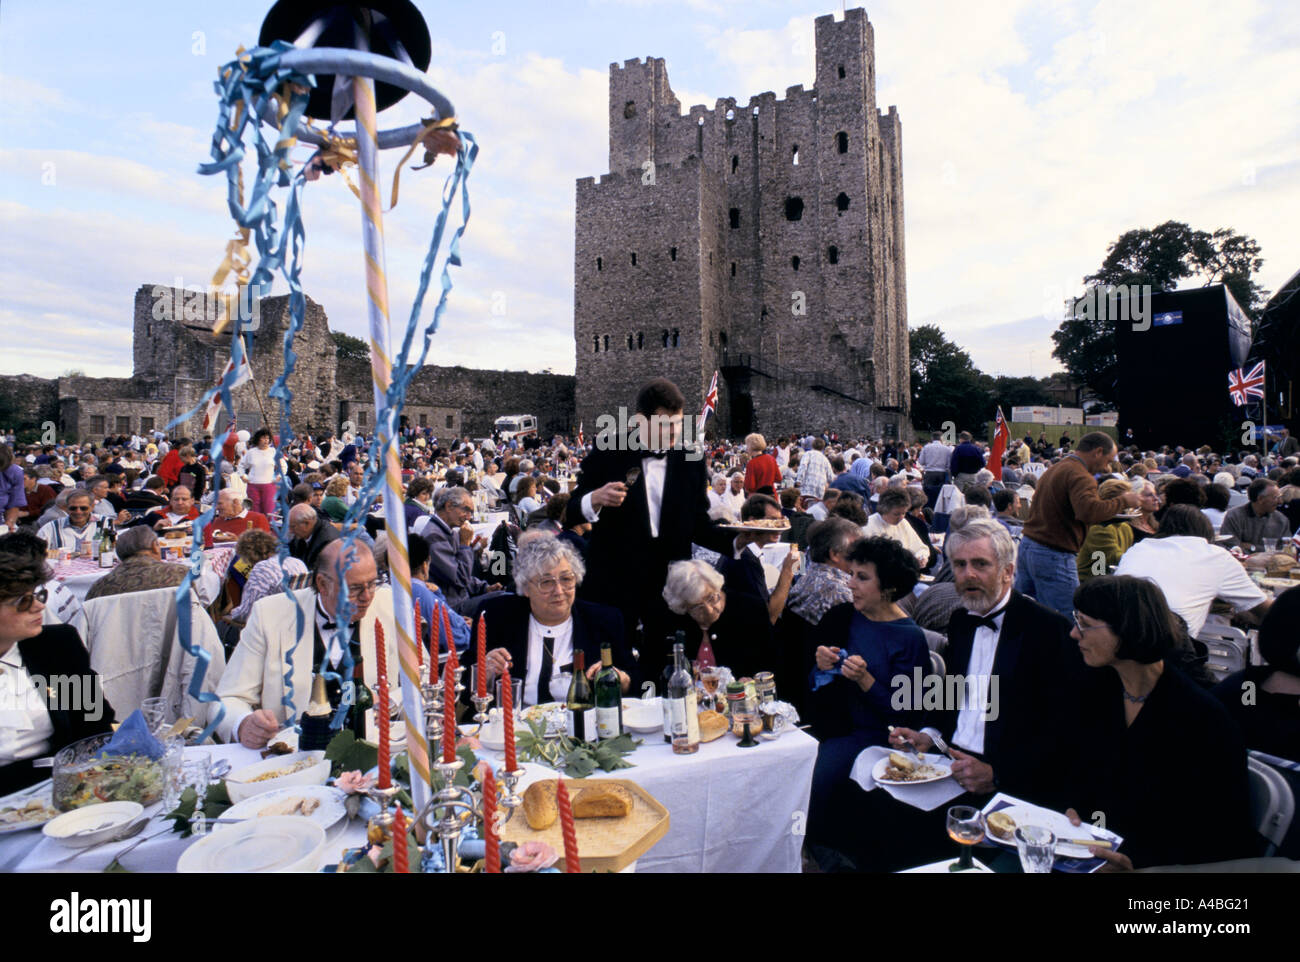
240, 787
42, 792
92, 824
326, 815
643, 715
934, 760
1046, 818
276, 843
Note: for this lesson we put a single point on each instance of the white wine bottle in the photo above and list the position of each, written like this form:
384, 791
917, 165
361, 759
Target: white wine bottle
609, 696
681, 696
581, 704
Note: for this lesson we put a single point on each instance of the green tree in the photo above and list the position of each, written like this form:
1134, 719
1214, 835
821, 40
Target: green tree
1009, 392
946, 385
350, 348
1161, 257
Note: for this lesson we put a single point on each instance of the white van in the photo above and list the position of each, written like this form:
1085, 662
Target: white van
515, 426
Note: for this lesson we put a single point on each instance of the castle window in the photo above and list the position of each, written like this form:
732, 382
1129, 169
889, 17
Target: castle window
362, 417
450, 422
665, 336
640, 340
148, 330
794, 208
731, 116
842, 142
734, 214
735, 164
629, 110
673, 253
795, 155
600, 263
97, 424
701, 121
634, 258
607, 342
842, 202
595, 344
676, 336
424, 420
710, 258
146, 425
722, 338
629, 342
123, 425
794, 263
833, 254
841, 71
733, 268
710, 339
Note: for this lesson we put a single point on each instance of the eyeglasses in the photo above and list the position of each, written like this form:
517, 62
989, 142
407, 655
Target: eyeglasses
25, 602
708, 601
369, 588
567, 582
1085, 628
71, 508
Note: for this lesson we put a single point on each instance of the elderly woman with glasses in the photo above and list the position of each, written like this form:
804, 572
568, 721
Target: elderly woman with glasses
535, 633
722, 628
1151, 749
49, 694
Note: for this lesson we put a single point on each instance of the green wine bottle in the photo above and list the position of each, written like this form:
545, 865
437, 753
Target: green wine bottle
609, 696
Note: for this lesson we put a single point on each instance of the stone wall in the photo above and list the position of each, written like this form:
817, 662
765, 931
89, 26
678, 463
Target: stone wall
787, 219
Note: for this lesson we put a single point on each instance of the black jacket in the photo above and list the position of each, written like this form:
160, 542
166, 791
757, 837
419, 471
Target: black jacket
1038, 667
57, 652
741, 637
593, 626
308, 550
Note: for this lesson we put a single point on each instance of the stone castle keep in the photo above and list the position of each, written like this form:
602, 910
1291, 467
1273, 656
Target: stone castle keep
763, 240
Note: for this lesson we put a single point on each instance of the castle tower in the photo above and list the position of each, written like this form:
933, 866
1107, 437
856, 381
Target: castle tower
762, 239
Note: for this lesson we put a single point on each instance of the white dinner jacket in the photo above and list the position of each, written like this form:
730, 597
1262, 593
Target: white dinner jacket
254, 677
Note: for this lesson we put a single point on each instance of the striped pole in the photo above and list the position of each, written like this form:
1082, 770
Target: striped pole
399, 561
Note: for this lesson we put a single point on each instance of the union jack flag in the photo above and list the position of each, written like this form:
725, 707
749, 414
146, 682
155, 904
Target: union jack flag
1243, 384
710, 403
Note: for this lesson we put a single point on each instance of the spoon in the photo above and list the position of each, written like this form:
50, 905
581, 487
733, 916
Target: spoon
220, 769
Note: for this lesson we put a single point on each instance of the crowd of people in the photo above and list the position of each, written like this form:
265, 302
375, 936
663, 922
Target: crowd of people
1066, 587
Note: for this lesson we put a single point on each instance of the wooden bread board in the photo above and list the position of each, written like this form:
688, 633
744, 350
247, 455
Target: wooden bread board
604, 844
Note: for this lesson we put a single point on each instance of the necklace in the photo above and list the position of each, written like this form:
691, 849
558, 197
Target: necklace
1135, 699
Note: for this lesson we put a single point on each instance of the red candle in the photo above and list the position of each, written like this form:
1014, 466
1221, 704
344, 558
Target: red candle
381, 705
571, 863
419, 638
451, 642
489, 822
508, 710
448, 715
400, 855
482, 657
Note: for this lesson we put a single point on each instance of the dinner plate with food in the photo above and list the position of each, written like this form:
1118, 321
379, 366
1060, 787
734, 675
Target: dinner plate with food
760, 524
30, 808
322, 804
1001, 828
899, 769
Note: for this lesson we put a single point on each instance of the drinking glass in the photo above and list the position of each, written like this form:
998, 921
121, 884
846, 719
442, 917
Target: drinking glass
173, 752
1037, 848
966, 828
196, 773
711, 677
154, 711
1270, 545
516, 689
559, 685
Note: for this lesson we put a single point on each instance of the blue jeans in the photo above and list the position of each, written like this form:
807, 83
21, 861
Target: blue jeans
1047, 575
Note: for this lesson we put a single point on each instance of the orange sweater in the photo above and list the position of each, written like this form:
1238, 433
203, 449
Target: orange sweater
1065, 503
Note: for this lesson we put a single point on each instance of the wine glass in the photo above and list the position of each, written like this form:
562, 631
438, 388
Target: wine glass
966, 828
1037, 848
196, 773
710, 677
154, 711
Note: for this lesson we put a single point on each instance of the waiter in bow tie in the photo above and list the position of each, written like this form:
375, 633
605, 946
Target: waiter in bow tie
646, 497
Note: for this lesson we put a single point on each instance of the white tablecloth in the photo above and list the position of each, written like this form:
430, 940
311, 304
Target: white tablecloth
79, 574
730, 809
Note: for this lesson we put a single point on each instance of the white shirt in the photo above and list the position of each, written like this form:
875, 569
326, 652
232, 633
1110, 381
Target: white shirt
25, 726
559, 639
653, 470
334, 651
969, 734
1192, 573
819, 511
903, 533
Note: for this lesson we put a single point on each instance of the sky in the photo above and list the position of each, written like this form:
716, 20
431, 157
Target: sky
1034, 134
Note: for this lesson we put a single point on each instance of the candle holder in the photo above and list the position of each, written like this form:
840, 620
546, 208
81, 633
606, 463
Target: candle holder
510, 799
446, 816
481, 705
383, 797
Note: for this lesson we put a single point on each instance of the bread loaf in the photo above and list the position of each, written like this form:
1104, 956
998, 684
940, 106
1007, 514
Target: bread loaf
602, 801
540, 807
713, 725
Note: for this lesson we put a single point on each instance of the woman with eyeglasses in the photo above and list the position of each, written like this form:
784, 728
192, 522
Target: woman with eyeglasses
723, 628
49, 694
535, 633
1159, 756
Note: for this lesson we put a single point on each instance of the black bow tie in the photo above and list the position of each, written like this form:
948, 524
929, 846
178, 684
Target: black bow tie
333, 626
986, 621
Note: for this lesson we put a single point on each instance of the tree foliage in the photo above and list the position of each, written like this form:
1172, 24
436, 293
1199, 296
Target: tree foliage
946, 385
350, 348
1160, 257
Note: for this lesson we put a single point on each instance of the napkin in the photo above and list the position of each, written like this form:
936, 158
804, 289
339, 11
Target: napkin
1058, 823
133, 738
926, 797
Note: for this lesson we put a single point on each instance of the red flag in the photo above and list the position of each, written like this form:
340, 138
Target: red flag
1001, 435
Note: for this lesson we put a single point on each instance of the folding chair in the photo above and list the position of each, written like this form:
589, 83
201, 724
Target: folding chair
1272, 803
